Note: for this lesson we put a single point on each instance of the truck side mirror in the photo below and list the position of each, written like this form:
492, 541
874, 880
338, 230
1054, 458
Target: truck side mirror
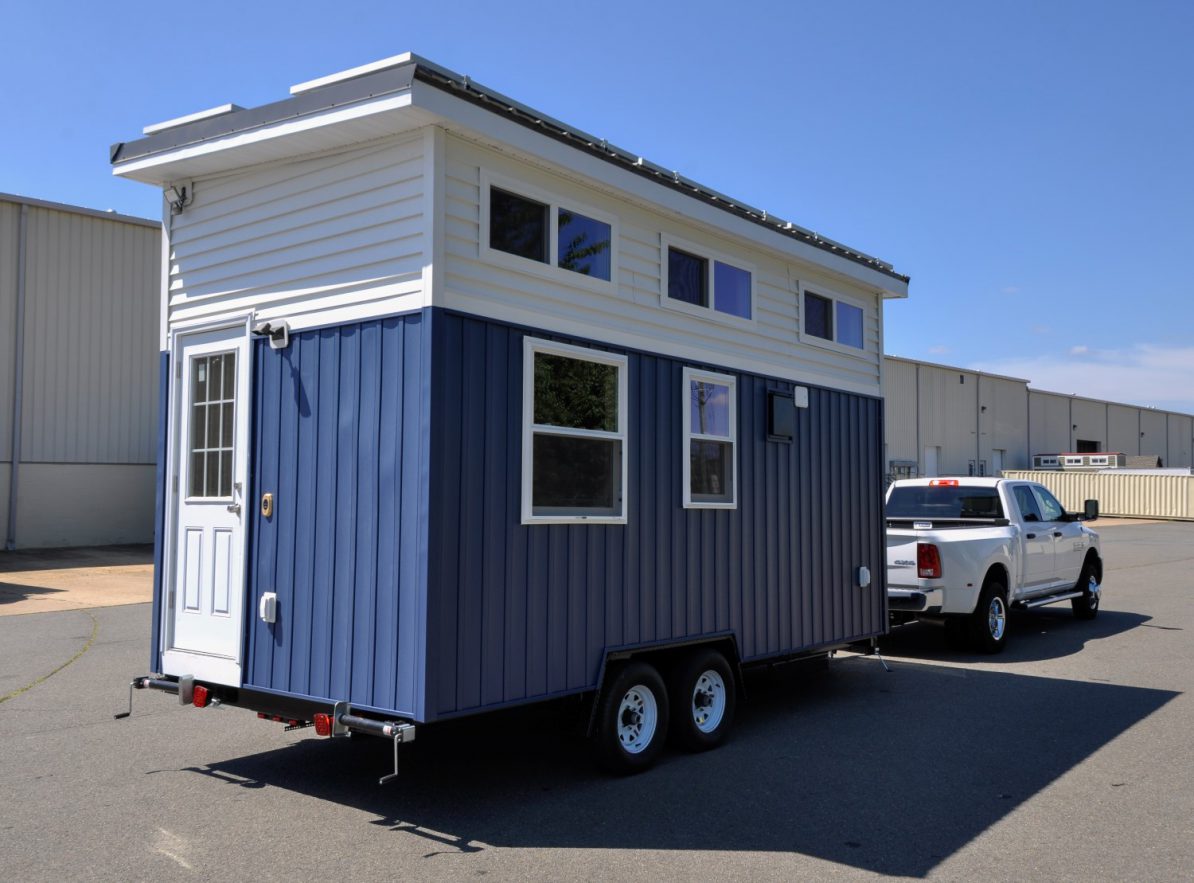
1090, 510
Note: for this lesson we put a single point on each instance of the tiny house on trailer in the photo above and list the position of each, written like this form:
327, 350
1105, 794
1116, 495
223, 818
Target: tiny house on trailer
464, 408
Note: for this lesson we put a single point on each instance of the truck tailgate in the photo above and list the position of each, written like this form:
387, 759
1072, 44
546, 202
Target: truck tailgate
901, 558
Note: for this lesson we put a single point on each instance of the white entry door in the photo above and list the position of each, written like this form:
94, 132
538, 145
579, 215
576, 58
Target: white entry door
931, 452
206, 596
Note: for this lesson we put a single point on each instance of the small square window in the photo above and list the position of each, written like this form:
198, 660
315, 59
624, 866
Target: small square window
517, 225
731, 290
584, 244
687, 278
849, 324
818, 316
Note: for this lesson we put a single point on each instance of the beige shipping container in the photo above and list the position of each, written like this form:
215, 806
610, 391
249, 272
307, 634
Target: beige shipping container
1130, 493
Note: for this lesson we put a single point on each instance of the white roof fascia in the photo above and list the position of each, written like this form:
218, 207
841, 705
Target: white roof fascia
466, 118
142, 169
351, 74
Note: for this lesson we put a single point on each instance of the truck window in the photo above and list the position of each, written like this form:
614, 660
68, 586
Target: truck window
937, 502
1051, 510
1027, 503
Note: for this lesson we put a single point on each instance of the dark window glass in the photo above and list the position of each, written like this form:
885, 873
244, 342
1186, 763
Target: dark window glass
712, 471
576, 476
731, 290
1051, 510
937, 502
575, 393
1027, 503
584, 244
687, 278
818, 316
1086, 446
517, 225
849, 324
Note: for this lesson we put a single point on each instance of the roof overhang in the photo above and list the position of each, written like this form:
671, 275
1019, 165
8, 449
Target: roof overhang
407, 93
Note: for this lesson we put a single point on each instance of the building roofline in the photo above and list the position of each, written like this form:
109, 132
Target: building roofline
79, 210
944, 367
398, 73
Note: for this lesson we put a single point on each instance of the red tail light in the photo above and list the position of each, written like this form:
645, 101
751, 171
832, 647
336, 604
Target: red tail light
323, 724
928, 561
943, 482
200, 696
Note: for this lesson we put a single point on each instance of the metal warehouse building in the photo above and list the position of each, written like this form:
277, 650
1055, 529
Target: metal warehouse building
942, 420
79, 295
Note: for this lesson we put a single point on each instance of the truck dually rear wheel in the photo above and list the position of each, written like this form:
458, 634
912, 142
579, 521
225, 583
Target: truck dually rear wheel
989, 622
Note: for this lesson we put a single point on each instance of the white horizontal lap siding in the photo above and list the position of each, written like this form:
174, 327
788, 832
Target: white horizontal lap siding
91, 340
339, 237
630, 312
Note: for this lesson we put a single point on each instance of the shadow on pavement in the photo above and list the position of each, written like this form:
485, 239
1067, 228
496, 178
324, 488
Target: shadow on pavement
13, 592
1033, 636
891, 773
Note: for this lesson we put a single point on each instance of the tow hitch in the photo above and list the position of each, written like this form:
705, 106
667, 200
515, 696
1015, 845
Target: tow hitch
185, 688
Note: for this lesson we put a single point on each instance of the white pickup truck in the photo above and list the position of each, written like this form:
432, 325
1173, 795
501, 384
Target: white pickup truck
963, 550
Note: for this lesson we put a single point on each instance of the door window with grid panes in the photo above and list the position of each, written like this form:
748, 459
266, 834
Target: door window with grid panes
213, 422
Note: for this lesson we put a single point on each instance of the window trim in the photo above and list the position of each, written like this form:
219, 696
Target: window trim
554, 202
690, 374
531, 346
833, 296
709, 313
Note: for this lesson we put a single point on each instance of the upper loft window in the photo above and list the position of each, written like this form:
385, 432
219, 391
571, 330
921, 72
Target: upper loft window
539, 227
699, 282
830, 318
574, 434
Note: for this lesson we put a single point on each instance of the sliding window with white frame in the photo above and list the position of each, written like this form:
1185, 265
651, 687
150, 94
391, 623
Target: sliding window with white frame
709, 454
574, 434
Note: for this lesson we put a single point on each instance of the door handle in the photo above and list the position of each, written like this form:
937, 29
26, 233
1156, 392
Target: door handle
1056, 533
234, 508
1030, 536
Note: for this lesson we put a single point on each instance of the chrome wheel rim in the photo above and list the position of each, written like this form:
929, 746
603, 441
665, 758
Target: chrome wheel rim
708, 701
997, 618
638, 717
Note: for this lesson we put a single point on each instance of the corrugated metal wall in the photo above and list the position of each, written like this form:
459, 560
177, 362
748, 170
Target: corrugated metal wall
91, 326
340, 421
1048, 423
523, 611
88, 397
1133, 494
900, 393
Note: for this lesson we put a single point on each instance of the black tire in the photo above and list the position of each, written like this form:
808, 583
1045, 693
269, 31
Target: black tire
703, 699
632, 719
989, 622
1087, 607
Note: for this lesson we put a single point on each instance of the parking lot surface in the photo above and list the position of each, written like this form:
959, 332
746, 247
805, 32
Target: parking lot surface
1068, 757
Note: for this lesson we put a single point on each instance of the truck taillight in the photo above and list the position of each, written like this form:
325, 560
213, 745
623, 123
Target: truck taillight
943, 482
928, 561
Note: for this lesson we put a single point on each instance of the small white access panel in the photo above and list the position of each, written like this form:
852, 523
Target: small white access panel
205, 607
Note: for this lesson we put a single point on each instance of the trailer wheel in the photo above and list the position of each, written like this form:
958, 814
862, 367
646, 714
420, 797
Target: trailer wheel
632, 719
703, 697
1087, 606
988, 623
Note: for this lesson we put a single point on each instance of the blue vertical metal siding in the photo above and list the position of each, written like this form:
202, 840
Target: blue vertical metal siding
159, 517
517, 612
340, 429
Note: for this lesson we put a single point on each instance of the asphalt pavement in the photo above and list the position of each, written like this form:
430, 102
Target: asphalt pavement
1068, 757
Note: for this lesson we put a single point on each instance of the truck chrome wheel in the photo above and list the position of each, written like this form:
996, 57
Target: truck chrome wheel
997, 618
1087, 605
638, 718
708, 701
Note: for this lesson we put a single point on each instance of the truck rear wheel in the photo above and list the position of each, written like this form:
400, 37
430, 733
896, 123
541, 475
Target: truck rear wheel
632, 719
1087, 606
988, 623
703, 700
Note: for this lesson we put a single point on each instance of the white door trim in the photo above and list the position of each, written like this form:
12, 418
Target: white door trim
173, 662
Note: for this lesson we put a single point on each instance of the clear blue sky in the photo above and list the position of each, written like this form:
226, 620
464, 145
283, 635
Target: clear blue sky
1030, 165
